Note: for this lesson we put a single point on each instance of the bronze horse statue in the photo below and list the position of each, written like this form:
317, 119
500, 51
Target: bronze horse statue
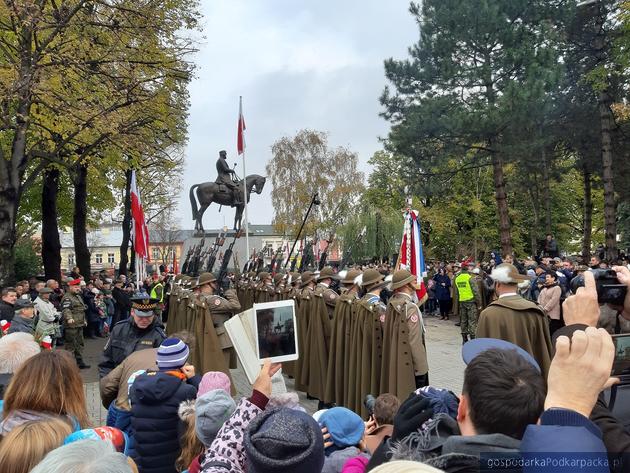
208, 192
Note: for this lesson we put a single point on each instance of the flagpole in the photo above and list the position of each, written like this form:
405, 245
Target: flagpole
240, 115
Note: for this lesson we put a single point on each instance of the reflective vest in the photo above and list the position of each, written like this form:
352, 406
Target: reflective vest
154, 292
464, 291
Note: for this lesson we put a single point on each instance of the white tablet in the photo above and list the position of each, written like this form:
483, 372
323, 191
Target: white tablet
275, 331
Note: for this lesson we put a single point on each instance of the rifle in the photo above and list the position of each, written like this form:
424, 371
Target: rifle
187, 260
324, 256
274, 260
196, 256
307, 256
218, 242
223, 280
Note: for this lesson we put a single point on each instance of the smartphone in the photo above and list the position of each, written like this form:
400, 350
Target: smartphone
621, 365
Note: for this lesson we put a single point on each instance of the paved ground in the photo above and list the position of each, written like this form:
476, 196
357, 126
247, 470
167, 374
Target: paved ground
446, 368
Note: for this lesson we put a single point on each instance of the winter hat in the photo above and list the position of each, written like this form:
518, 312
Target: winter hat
172, 354
214, 380
284, 440
211, 411
15, 349
344, 426
118, 438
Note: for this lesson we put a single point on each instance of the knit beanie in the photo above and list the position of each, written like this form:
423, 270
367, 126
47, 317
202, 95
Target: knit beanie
344, 426
284, 440
211, 411
172, 354
214, 380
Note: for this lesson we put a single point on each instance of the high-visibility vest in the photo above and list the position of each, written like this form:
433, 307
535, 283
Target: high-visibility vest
154, 292
464, 291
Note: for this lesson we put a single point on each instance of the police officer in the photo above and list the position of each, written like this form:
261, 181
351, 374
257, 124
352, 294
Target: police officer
73, 313
141, 330
469, 299
221, 309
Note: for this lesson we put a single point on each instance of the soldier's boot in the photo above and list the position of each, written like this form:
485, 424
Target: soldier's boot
464, 338
81, 364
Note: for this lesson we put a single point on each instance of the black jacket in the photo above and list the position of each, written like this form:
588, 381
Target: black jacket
155, 398
91, 314
7, 311
126, 338
122, 303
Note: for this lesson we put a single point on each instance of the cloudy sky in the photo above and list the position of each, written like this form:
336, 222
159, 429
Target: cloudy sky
298, 64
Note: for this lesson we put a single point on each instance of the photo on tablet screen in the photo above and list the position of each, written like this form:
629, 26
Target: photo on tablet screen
275, 331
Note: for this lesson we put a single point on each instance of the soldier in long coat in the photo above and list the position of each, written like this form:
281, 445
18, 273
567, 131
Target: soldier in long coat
337, 372
265, 292
292, 291
307, 284
404, 367
515, 319
318, 333
221, 309
278, 284
367, 342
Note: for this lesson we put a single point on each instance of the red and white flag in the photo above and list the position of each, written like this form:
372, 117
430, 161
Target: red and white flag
240, 137
140, 230
411, 255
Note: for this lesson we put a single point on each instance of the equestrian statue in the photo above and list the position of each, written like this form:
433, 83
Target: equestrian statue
226, 190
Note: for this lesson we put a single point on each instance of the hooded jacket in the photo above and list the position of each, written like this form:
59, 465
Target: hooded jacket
155, 398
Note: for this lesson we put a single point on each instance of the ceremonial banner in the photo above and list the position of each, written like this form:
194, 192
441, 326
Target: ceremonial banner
139, 229
411, 256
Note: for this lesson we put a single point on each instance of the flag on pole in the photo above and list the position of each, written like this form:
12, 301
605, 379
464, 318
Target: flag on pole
240, 138
411, 256
139, 229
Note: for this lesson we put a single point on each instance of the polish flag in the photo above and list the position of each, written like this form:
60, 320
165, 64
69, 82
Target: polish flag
240, 137
140, 230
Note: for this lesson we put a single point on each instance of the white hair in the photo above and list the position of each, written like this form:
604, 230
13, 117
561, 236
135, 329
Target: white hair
15, 349
84, 456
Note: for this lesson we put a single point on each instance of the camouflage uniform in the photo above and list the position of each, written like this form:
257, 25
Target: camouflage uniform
73, 308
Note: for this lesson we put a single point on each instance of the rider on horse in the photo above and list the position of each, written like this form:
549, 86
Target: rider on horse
227, 177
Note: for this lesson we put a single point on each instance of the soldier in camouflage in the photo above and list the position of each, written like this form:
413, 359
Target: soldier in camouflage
73, 313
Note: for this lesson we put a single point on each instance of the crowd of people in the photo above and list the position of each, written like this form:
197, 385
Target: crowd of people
532, 396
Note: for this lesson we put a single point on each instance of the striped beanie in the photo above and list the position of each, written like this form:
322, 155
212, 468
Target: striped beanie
172, 354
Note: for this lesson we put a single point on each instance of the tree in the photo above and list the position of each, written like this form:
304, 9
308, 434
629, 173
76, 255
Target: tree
81, 75
304, 164
474, 64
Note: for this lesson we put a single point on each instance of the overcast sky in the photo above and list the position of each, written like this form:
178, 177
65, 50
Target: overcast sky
297, 64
